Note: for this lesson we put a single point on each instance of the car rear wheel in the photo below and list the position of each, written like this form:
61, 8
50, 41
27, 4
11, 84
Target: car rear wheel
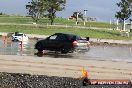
64, 51
40, 53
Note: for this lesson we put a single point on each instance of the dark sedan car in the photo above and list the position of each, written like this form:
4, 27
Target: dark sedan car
62, 42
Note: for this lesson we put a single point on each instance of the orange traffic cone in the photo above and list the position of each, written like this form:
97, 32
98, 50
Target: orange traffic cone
84, 73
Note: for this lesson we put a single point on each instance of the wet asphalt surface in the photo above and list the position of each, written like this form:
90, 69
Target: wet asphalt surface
97, 51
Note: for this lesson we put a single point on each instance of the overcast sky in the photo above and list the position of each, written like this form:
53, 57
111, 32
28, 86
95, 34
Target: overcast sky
103, 10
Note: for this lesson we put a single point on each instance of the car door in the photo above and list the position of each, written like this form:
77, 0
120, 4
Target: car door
60, 41
51, 42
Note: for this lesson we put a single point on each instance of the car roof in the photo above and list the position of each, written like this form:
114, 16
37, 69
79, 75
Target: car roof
66, 34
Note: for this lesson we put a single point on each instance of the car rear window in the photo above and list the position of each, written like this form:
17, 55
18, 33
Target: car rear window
74, 37
78, 38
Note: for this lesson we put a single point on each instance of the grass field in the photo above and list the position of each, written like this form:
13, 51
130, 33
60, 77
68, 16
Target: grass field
60, 21
93, 33
101, 34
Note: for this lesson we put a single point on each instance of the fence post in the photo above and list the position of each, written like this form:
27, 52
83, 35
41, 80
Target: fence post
5, 40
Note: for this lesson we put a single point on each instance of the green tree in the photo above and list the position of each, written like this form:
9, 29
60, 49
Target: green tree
1, 13
53, 7
77, 15
125, 11
36, 9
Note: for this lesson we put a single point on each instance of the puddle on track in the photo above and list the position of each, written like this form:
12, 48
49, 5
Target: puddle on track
115, 53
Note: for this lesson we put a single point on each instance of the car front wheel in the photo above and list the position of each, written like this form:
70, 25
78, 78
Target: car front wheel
39, 47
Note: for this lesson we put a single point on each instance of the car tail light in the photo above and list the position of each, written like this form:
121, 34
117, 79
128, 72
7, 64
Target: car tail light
74, 43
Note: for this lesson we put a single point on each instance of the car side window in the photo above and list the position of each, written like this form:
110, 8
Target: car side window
53, 37
61, 37
70, 37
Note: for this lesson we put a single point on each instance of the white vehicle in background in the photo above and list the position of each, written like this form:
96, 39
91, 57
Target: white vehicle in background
18, 37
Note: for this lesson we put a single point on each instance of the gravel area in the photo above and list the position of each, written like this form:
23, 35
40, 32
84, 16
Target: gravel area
17, 80
10, 80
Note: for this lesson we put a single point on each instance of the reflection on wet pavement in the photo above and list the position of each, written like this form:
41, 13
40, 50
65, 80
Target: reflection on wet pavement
15, 48
116, 53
